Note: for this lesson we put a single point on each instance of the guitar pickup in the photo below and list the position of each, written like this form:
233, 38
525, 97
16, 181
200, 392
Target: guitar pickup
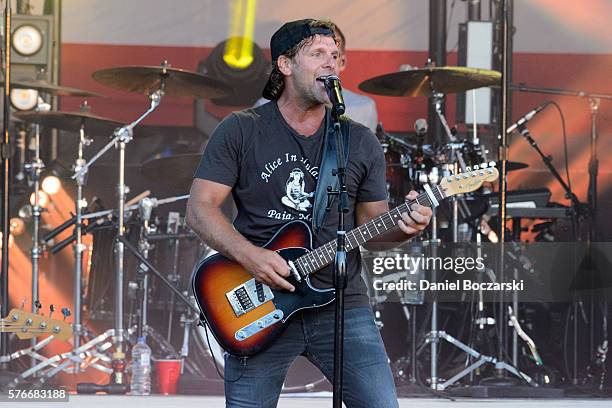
248, 296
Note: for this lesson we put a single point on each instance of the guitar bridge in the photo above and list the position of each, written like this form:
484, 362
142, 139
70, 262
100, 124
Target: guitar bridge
248, 296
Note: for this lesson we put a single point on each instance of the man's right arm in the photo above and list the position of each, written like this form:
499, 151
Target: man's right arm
205, 217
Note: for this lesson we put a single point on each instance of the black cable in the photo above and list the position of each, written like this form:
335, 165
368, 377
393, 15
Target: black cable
567, 174
243, 359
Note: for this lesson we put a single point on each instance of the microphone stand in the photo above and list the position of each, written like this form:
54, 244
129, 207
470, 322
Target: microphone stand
593, 171
121, 137
576, 209
35, 168
340, 275
6, 153
576, 206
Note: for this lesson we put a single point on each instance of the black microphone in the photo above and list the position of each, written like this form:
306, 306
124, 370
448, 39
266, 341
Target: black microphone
334, 92
527, 117
420, 127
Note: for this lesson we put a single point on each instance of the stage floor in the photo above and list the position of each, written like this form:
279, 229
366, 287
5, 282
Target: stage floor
154, 401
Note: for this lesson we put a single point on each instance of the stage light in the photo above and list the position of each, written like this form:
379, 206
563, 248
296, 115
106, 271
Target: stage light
27, 40
52, 177
43, 199
239, 48
17, 226
247, 83
51, 184
24, 99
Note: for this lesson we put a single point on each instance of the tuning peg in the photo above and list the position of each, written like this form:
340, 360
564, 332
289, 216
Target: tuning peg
484, 165
468, 168
37, 305
492, 164
51, 310
476, 167
66, 312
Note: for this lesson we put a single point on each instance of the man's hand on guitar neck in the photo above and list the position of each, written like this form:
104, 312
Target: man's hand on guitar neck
266, 266
414, 223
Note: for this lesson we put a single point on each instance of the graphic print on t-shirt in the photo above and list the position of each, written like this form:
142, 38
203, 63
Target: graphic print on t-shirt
298, 176
296, 197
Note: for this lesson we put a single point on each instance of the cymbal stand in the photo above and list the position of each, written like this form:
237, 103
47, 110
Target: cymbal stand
438, 101
174, 221
145, 207
79, 247
434, 336
35, 168
93, 353
121, 137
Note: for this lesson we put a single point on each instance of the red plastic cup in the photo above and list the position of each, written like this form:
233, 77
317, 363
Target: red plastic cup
168, 373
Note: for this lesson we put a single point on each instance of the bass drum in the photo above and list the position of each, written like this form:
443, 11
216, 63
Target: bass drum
303, 376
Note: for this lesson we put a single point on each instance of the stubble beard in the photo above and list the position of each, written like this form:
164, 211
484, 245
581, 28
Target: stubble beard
309, 95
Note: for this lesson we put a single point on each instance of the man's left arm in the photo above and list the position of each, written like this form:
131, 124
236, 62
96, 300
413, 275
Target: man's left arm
408, 227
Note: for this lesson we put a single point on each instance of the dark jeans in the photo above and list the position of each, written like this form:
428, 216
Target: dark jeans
368, 382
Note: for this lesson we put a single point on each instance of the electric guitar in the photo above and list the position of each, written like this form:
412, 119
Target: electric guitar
246, 316
28, 325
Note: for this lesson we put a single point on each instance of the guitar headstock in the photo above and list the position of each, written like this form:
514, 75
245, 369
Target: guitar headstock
27, 325
469, 181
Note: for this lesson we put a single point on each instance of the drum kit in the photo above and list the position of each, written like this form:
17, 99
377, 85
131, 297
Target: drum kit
90, 349
411, 165
168, 251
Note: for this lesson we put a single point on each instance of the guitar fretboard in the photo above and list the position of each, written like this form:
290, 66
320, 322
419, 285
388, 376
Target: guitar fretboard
325, 254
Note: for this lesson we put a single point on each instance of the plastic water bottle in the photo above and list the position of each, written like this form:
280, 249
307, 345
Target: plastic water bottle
141, 368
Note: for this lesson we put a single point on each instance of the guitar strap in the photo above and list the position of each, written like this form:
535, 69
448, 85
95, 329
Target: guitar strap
327, 177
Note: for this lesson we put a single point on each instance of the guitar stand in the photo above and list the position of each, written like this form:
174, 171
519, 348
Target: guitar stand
74, 360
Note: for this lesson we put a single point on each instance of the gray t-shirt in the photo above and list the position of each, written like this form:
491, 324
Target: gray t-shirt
273, 172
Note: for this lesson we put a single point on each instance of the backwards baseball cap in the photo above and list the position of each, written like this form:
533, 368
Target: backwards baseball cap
288, 36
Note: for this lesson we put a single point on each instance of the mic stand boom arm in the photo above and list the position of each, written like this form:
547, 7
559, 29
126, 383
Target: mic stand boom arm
569, 194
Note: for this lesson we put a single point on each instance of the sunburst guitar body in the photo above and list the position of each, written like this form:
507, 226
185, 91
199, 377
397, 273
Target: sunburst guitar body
247, 316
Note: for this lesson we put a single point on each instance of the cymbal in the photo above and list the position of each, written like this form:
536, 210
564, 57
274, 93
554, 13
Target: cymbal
177, 82
175, 171
53, 89
419, 82
71, 121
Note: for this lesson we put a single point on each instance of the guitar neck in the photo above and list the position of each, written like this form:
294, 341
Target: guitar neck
325, 254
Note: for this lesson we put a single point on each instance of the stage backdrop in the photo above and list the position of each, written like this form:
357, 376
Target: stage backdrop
558, 43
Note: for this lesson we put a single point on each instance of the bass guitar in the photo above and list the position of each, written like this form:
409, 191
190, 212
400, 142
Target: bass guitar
28, 325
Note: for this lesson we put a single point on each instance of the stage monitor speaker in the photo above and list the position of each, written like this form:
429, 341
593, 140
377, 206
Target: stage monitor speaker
475, 51
31, 47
